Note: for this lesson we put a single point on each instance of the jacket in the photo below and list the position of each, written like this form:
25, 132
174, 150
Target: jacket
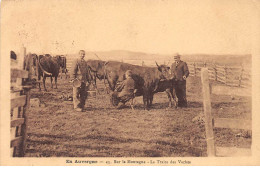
180, 70
80, 70
128, 85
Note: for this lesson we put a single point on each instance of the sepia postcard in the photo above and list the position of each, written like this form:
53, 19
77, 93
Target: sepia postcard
130, 83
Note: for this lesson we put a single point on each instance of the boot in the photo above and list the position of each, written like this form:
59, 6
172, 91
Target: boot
120, 106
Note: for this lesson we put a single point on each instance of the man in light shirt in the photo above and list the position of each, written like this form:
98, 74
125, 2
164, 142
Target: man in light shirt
81, 74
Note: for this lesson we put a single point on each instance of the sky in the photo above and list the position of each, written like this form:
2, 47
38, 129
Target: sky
151, 26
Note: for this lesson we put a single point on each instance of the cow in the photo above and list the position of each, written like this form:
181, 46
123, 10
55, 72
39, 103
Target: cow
13, 55
146, 78
47, 66
168, 86
64, 68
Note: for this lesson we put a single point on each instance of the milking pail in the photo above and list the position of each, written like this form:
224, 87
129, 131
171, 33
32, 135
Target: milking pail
91, 91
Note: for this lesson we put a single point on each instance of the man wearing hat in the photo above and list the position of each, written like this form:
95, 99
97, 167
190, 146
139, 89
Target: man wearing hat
80, 75
180, 72
125, 91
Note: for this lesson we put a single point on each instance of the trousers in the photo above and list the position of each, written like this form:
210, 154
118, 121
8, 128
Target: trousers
123, 97
181, 93
79, 96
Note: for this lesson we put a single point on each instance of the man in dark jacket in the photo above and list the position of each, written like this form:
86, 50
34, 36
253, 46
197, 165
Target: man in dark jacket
180, 72
80, 73
125, 91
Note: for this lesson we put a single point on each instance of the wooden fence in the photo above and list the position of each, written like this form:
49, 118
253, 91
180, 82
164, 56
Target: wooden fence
237, 76
20, 100
210, 122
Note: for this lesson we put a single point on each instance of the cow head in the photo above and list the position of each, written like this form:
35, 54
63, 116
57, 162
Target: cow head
97, 68
61, 61
34, 58
13, 55
164, 71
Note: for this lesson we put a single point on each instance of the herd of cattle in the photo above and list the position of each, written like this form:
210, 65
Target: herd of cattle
148, 80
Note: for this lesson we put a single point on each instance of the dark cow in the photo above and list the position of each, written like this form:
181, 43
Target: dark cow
168, 86
64, 67
146, 78
47, 66
13, 55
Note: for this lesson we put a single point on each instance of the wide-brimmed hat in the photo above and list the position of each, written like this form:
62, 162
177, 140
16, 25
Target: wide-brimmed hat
176, 55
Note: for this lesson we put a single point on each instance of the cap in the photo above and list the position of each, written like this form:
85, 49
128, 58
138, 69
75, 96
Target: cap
177, 55
128, 73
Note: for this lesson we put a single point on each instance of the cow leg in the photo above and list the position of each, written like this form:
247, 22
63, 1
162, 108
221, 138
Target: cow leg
173, 94
51, 83
43, 80
150, 100
95, 83
145, 102
39, 79
39, 86
168, 92
132, 99
56, 77
61, 74
145, 99
132, 103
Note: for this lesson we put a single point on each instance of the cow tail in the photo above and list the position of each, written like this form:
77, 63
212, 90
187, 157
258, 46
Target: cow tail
106, 78
44, 71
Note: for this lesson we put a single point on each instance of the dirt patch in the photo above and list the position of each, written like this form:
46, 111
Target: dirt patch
56, 130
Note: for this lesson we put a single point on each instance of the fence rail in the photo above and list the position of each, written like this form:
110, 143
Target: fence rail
20, 100
211, 122
238, 76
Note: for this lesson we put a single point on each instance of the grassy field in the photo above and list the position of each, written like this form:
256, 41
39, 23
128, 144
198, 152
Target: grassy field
56, 130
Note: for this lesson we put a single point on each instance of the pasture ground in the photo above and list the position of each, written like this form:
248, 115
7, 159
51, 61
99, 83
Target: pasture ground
56, 130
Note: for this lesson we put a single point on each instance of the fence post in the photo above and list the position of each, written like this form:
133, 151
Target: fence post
22, 57
225, 74
240, 76
207, 112
30, 64
194, 66
24, 125
20, 63
205, 64
215, 69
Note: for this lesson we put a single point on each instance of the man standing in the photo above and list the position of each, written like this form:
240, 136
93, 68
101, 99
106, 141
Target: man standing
80, 73
180, 71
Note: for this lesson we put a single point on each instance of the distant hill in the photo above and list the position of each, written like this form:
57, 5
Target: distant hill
149, 59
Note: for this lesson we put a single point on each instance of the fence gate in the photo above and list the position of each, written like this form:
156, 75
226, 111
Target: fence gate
20, 100
221, 122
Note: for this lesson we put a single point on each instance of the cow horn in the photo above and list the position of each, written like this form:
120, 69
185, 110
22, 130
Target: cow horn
157, 64
97, 56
